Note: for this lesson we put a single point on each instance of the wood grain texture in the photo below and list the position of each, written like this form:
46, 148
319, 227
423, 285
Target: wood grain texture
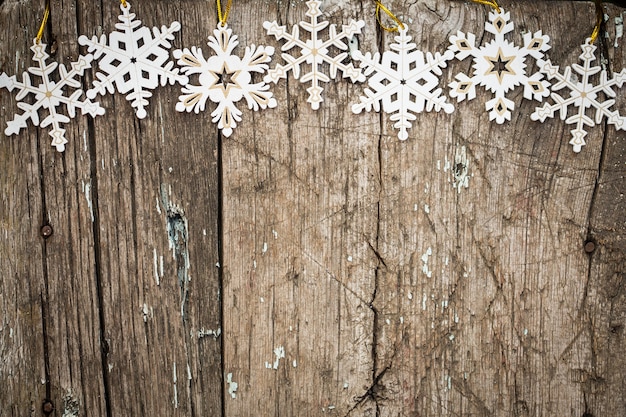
300, 210
22, 283
129, 286
312, 258
488, 314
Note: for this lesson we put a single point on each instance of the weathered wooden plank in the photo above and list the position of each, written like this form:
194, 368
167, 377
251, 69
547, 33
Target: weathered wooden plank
57, 271
390, 287
603, 308
22, 284
300, 208
157, 220
490, 276
134, 211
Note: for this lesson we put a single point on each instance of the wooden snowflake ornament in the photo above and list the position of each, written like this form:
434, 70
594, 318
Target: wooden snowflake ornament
583, 95
403, 82
499, 66
224, 79
49, 95
134, 60
315, 52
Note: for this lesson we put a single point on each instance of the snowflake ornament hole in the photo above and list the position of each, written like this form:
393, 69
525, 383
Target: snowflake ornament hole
499, 24
140, 43
225, 78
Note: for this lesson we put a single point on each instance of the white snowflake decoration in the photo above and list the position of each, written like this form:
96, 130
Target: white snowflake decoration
49, 95
583, 95
224, 79
133, 61
314, 52
404, 81
499, 66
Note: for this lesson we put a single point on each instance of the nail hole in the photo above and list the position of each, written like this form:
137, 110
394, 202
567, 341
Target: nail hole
47, 407
46, 231
590, 246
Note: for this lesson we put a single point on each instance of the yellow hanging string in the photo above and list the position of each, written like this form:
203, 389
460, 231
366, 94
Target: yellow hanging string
222, 16
492, 3
379, 7
599, 19
46, 14
123, 3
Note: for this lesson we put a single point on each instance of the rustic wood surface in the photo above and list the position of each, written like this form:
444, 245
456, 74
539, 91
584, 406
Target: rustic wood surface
311, 264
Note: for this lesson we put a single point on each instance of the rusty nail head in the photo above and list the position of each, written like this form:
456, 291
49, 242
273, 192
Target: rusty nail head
46, 231
47, 407
590, 246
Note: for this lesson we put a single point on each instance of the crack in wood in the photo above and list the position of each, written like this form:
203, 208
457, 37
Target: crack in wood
178, 239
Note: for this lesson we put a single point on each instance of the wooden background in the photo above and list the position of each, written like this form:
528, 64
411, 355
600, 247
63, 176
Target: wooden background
312, 259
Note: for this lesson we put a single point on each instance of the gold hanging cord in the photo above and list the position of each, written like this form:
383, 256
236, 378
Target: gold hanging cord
46, 14
399, 24
492, 3
599, 19
222, 16
123, 3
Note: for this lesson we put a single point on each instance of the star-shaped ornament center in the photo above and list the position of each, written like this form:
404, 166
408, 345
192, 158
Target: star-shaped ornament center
500, 65
225, 79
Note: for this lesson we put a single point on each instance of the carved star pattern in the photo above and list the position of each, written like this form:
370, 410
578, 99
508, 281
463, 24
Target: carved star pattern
500, 65
225, 79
